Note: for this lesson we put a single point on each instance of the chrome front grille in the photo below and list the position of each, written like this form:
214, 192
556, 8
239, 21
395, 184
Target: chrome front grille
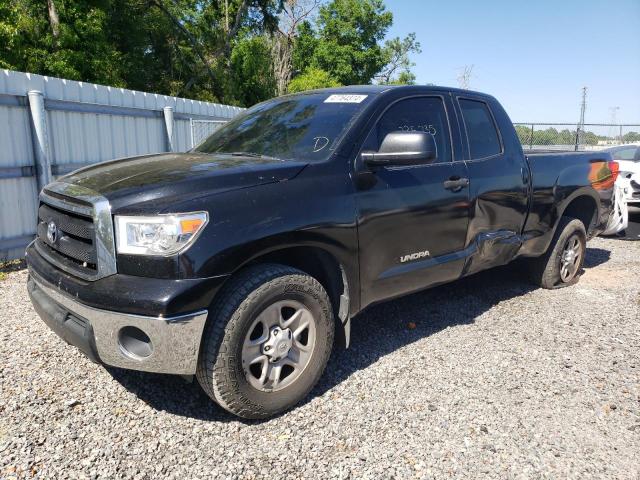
75, 231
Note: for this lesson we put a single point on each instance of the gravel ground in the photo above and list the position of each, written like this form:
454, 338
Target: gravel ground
484, 377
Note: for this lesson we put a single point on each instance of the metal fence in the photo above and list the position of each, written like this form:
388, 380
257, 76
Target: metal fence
201, 129
50, 127
570, 136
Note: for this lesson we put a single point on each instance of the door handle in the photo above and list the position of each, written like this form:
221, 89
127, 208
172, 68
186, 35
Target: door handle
455, 184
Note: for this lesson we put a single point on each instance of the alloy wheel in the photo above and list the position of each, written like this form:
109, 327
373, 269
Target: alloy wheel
571, 258
279, 345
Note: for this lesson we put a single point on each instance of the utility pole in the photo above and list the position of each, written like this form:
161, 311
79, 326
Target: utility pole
614, 120
464, 79
580, 130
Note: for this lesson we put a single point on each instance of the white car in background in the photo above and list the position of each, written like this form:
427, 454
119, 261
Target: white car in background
628, 158
627, 188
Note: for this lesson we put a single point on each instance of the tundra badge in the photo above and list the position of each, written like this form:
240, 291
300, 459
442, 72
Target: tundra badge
414, 256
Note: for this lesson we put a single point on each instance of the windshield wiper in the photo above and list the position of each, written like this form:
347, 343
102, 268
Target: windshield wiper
252, 154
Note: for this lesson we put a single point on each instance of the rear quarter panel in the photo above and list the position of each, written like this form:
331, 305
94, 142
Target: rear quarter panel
557, 180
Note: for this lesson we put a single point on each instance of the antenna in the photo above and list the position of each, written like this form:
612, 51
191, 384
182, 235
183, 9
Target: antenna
464, 79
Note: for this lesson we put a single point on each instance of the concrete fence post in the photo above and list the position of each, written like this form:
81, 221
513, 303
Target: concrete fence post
40, 136
168, 123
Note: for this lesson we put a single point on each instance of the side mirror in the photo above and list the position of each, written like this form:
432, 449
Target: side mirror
403, 148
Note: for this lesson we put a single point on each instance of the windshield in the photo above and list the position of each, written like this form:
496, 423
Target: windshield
302, 127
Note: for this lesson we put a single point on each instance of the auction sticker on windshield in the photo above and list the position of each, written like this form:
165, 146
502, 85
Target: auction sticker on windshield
342, 98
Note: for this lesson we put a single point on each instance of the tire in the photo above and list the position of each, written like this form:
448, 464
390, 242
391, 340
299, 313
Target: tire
547, 271
254, 306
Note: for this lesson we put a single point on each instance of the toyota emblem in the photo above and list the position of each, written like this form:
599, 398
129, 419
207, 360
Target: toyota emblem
52, 232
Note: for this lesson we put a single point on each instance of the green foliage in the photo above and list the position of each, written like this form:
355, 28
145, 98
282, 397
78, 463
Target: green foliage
203, 49
346, 40
345, 43
312, 79
397, 69
80, 51
551, 136
548, 136
305, 46
631, 137
403, 78
175, 47
252, 75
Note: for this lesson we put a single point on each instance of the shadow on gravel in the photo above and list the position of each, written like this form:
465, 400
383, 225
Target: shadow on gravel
633, 230
595, 257
380, 330
387, 327
9, 266
171, 394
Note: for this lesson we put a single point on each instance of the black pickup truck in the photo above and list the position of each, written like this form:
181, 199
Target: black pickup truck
241, 260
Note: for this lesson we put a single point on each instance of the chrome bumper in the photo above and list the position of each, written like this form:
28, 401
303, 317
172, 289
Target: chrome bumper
175, 341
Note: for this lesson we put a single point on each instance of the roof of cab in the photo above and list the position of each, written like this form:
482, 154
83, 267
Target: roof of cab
377, 89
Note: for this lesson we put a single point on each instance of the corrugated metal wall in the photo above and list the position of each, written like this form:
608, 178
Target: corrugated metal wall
85, 123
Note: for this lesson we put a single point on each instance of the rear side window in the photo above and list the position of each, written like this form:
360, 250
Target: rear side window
481, 130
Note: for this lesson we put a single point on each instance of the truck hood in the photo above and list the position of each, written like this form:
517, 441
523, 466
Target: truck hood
165, 179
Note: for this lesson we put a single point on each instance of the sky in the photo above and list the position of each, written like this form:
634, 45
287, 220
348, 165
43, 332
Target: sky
533, 56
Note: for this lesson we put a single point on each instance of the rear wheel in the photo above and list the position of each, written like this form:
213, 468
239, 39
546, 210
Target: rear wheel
562, 265
267, 341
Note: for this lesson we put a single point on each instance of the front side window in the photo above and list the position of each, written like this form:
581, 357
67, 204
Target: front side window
420, 114
299, 127
481, 130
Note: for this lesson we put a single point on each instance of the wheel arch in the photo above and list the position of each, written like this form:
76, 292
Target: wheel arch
582, 206
325, 267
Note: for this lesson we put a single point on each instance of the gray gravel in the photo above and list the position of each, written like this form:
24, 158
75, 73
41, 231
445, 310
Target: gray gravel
484, 377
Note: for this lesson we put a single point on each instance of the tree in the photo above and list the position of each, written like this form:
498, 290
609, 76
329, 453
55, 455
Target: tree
67, 39
176, 47
304, 47
232, 51
345, 43
398, 64
252, 76
293, 14
630, 137
348, 33
311, 79
209, 30
524, 134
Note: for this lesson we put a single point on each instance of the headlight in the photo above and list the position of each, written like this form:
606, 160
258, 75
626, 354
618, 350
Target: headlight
158, 235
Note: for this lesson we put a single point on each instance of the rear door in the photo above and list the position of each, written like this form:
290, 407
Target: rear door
499, 178
411, 226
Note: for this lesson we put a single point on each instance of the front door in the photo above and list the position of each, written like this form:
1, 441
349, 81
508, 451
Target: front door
412, 220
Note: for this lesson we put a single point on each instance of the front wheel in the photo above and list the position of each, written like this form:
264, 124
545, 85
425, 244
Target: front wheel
562, 265
267, 341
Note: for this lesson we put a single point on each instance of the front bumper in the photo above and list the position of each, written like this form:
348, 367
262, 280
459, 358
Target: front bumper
167, 344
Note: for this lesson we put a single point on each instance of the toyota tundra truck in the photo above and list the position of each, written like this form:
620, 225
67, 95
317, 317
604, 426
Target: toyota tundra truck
241, 261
